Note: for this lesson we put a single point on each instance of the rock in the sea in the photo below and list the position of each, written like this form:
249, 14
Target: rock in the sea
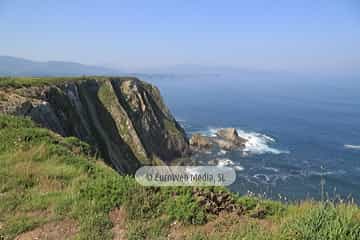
226, 138
199, 141
231, 135
226, 145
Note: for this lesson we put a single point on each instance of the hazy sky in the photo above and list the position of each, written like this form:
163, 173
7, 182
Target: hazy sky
293, 35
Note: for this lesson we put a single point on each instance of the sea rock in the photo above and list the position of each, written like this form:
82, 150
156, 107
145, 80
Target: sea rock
231, 135
226, 139
199, 141
225, 145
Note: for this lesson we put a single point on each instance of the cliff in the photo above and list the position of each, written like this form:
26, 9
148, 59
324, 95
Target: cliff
125, 119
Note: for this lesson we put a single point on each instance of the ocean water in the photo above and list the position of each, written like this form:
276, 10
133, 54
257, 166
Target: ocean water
303, 132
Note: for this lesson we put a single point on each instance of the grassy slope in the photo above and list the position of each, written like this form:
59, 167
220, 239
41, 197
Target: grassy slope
18, 82
46, 178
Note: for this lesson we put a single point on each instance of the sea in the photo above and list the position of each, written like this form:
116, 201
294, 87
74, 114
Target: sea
303, 131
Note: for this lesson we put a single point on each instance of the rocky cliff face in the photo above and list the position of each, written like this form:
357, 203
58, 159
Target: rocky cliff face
125, 119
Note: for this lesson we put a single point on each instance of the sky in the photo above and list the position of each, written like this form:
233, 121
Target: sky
296, 35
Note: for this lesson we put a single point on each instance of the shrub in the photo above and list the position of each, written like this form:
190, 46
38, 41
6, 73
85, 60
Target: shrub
142, 202
184, 208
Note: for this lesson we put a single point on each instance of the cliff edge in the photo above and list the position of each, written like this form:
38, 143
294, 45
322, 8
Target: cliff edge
125, 119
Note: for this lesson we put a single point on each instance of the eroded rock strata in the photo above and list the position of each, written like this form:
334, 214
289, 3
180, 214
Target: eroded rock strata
125, 119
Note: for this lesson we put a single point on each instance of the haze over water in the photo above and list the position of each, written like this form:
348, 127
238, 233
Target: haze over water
301, 129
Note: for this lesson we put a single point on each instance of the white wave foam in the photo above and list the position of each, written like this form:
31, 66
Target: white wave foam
336, 172
350, 146
257, 143
221, 152
224, 162
271, 169
262, 177
238, 168
221, 162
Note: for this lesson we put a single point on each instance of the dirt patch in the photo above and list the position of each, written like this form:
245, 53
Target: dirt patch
221, 225
35, 214
62, 230
118, 219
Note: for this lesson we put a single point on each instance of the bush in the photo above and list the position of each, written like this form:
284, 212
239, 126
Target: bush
272, 208
184, 208
142, 202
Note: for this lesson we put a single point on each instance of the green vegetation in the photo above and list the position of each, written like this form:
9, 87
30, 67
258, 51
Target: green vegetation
35, 81
45, 178
55, 178
52, 178
107, 95
18, 82
171, 127
183, 208
108, 98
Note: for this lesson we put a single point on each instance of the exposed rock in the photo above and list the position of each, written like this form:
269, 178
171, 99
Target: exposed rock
217, 202
226, 138
125, 119
231, 135
226, 145
200, 141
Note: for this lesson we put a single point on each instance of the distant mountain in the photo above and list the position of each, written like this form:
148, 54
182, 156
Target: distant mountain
12, 66
198, 69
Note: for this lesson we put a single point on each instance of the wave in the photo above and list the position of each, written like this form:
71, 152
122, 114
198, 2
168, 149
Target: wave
336, 172
239, 168
350, 146
257, 143
271, 169
221, 162
224, 162
262, 177
221, 152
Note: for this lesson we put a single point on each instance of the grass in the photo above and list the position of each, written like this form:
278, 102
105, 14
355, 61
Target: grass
171, 127
47, 178
35, 81
325, 221
18, 82
43, 172
184, 209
